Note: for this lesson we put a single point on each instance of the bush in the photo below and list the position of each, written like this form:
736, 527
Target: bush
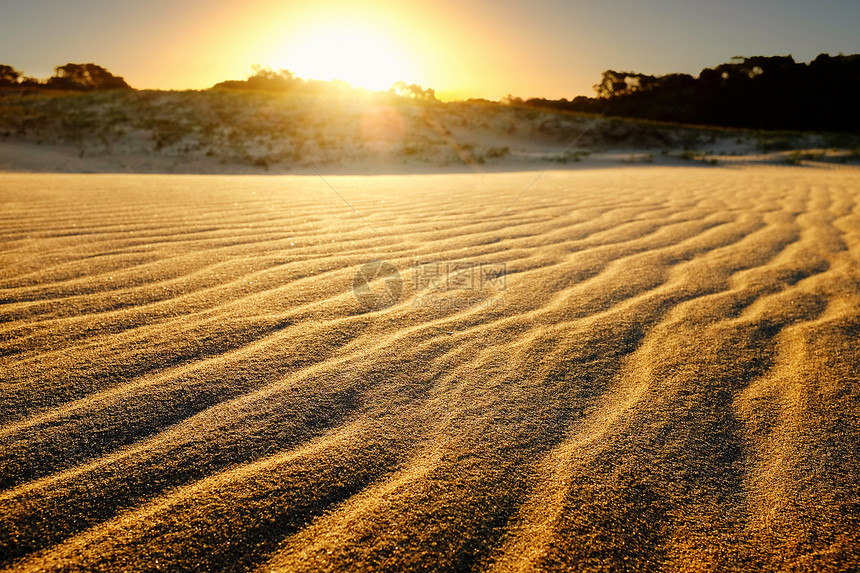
85, 77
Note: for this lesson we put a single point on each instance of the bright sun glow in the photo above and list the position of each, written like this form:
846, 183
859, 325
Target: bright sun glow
358, 55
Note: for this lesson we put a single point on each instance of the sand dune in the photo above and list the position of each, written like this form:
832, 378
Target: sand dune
663, 377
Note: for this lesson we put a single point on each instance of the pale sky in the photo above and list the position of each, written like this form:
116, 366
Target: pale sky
467, 48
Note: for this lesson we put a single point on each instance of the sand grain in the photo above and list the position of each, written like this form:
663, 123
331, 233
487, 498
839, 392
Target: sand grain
668, 380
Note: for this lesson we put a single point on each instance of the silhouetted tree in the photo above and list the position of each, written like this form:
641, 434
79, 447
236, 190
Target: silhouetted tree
510, 99
28, 82
611, 84
623, 83
8, 76
263, 79
758, 92
412, 91
85, 77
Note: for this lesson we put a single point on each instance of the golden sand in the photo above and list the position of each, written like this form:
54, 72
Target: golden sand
666, 378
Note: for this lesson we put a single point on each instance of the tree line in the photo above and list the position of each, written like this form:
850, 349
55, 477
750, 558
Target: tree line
269, 80
78, 77
760, 92
757, 92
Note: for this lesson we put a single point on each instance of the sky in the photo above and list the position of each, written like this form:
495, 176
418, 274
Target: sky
463, 48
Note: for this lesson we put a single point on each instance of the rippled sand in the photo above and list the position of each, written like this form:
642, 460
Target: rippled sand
666, 377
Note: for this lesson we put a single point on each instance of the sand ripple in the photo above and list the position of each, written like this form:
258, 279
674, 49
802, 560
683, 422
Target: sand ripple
667, 380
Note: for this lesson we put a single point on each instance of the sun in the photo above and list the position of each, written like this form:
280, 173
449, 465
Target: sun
351, 52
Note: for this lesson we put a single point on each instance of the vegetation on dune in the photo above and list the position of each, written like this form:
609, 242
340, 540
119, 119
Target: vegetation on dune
273, 118
78, 77
283, 81
758, 92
